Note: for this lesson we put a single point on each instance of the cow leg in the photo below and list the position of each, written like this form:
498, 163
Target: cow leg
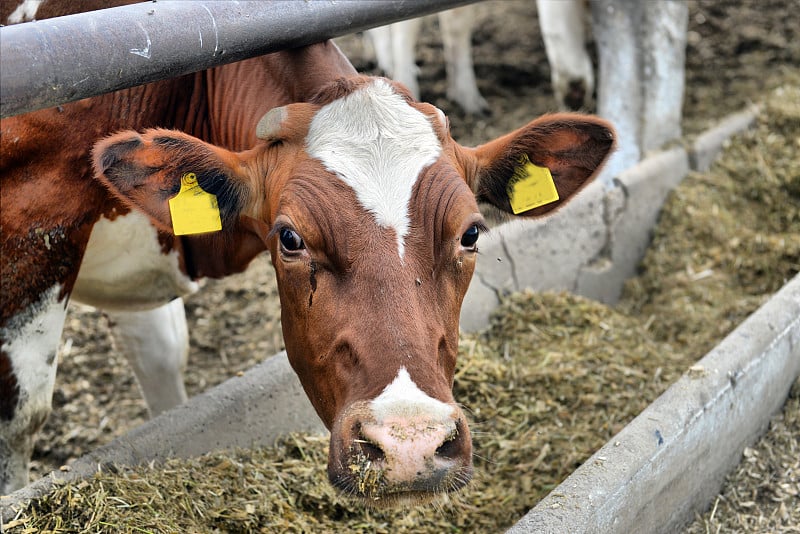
563, 24
641, 55
156, 344
619, 96
404, 65
381, 39
27, 374
462, 88
663, 48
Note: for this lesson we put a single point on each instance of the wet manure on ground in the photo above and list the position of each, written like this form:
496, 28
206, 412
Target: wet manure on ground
552, 379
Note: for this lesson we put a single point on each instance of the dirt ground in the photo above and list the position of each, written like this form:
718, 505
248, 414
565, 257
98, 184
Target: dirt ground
736, 52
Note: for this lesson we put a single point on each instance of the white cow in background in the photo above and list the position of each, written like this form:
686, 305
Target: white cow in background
564, 25
394, 51
641, 52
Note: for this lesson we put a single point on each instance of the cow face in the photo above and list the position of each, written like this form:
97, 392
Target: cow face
369, 210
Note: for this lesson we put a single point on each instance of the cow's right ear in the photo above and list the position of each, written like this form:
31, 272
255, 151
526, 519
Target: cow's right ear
148, 170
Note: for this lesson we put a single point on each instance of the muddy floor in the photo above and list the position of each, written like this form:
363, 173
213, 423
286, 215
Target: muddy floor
737, 51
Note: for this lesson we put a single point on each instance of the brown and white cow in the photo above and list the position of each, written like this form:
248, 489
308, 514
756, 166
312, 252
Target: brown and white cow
564, 25
366, 204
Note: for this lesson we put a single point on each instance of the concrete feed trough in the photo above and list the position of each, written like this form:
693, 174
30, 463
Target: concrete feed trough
651, 477
671, 460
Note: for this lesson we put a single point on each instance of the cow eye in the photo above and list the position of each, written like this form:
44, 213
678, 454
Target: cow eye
291, 240
470, 237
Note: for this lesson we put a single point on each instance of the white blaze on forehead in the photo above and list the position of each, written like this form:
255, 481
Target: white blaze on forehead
402, 398
378, 145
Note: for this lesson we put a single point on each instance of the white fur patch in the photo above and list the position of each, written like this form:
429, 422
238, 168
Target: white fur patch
30, 339
25, 12
378, 145
124, 267
402, 398
31, 343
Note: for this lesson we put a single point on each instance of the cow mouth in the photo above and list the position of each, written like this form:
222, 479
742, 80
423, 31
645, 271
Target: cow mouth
362, 478
361, 475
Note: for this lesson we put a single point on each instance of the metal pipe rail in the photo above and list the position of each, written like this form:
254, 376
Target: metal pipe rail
59, 60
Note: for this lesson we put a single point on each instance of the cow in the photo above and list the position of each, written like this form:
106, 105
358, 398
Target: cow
366, 204
565, 27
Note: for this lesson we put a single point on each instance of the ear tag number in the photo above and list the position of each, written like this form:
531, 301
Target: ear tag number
531, 186
193, 210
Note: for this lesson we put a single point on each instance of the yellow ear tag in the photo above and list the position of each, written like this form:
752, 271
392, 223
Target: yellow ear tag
530, 187
193, 210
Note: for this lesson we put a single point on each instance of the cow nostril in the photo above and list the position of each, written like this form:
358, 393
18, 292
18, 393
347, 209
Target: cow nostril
452, 445
370, 450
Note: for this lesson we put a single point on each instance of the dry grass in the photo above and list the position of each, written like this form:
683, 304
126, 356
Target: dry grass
553, 378
763, 493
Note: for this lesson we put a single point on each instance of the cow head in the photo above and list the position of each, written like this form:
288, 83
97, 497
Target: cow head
369, 210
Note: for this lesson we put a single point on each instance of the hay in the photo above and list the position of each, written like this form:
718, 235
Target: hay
763, 493
743, 242
552, 379
537, 412
760, 180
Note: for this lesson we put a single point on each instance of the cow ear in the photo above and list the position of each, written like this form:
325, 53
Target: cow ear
149, 170
538, 168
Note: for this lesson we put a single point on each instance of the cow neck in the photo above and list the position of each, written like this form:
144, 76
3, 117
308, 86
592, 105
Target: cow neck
241, 93
170, 103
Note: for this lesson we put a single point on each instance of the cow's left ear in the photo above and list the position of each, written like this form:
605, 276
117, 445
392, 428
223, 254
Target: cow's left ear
538, 168
148, 170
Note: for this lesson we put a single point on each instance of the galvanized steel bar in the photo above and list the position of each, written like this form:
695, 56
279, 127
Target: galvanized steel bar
54, 61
